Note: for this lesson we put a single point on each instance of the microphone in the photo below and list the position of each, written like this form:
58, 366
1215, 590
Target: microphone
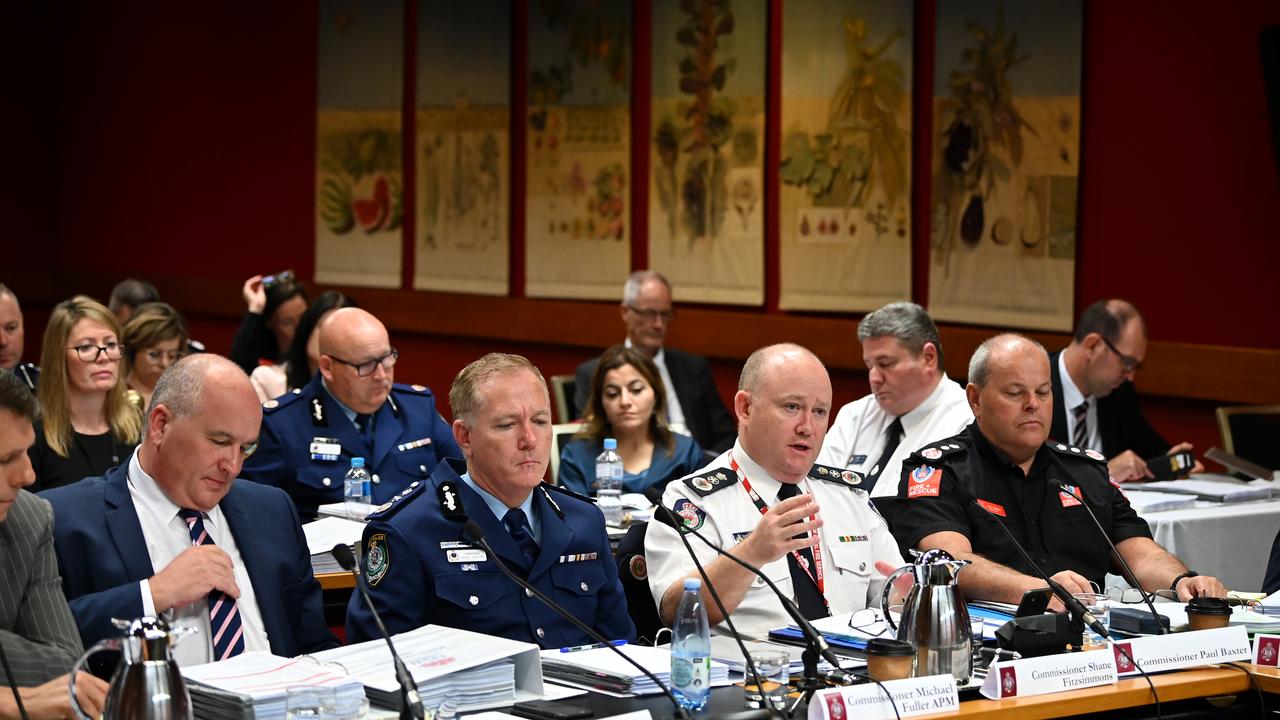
410, 702
1130, 576
1073, 605
475, 534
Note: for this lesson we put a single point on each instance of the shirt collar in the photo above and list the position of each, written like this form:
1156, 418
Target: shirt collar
146, 491
658, 357
921, 411
496, 506
761, 481
1071, 395
985, 446
351, 414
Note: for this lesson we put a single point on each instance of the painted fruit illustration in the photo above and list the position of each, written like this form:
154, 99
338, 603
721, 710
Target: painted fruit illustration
335, 206
372, 213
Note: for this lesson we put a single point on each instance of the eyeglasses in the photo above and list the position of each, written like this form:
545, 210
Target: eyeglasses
366, 368
1134, 595
89, 352
651, 315
1130, 363
868, 621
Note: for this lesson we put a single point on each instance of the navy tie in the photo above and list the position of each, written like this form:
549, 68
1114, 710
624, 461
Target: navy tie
812, 605
518, 525
365, 424
226, 630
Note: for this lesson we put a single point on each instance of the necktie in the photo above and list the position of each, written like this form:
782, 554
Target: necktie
365, 425
812, 606
892, 437
224, 614
1081, 435
518, 525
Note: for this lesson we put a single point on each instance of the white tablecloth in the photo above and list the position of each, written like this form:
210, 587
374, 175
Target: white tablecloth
1230, 541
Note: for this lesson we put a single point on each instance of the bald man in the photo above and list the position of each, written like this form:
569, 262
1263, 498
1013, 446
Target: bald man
351, 408
810, 528
11, 340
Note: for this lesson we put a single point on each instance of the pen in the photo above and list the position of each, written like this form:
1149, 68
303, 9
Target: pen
593, 646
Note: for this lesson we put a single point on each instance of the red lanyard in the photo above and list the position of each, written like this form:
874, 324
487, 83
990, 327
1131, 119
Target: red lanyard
816, 574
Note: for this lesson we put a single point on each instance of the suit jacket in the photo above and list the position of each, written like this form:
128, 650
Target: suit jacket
1121, 424
37, 629
103, 557
706, 417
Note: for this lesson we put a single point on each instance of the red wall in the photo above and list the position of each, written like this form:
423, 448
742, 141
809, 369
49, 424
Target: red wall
177, 140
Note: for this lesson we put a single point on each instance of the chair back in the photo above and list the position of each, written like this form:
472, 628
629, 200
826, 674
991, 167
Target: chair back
633, 571
562, 389
561, 435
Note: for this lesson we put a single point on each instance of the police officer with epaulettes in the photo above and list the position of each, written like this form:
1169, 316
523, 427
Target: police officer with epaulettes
420, 565
351, 408
11, 340
1000, 469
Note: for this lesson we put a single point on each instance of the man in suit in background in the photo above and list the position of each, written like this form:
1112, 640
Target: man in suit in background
692, 398
1095, 405
174, 533
351, 408
12, 335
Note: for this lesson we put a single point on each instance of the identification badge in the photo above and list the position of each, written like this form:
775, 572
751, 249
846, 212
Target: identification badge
466, 556
1069, 500
455, 544
325, 449
857, 459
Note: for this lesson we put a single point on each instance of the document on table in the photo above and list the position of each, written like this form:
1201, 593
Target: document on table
326, 532
1215, 490
254, 684
601, 670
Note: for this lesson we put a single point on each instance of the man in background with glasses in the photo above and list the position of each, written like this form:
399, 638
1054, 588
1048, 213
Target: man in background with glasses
1095, 405
351, 408
693, 402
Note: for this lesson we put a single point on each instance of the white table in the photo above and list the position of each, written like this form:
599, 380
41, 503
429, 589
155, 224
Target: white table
1231, 541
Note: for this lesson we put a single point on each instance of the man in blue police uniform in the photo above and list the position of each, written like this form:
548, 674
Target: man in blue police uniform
11, 340
351, 408
420, 569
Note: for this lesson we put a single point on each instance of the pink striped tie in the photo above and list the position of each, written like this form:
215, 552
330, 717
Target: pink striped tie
224, 613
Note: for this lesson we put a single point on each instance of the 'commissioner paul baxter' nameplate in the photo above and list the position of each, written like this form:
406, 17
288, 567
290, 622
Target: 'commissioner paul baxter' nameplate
1182, 650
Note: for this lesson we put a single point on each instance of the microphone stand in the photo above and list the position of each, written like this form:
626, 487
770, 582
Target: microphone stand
473, 532
410, 702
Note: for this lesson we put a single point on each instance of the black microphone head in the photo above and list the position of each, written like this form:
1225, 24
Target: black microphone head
653, 494
342, 553
472, 531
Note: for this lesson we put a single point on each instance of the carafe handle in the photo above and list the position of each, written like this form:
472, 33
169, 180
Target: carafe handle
107, 644
884, 596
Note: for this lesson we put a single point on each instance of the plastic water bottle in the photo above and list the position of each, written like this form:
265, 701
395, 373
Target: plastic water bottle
357, 489
609, 482
691, 649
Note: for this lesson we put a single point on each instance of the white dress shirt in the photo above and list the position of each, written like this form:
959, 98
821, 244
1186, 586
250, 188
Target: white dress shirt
167, 536
675, 413
1071, 397
857, 437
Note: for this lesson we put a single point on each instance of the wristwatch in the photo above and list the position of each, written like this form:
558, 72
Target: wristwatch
1188, 574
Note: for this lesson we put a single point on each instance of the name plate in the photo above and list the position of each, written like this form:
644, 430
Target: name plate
911, 696
1183, 650
1049, 674
1266, 650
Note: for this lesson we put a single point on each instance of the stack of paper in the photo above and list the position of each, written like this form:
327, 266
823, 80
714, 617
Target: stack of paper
1215, 490
326, 532
254, 685
602, 669
1144, 501
476, 671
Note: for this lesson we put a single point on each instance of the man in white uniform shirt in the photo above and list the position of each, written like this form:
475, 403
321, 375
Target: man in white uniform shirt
173, 533
912, 401
809, 528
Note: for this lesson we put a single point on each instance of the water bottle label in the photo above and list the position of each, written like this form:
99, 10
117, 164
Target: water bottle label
692, 673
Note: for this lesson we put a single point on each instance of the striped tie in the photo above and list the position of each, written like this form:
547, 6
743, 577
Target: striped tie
1081, 435
224, 613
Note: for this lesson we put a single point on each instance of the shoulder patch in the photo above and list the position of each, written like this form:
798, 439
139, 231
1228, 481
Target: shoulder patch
1076, 452
275, 404
839, 476
402, 498
377, 559
411, 389
935, 451
709, 481
692, 515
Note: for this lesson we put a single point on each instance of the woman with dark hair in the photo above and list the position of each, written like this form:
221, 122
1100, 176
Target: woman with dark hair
87, 424
275, 306
155, 337
303, 357
629, 403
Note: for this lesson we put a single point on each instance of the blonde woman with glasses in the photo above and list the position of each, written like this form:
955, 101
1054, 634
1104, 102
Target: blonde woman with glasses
87, 424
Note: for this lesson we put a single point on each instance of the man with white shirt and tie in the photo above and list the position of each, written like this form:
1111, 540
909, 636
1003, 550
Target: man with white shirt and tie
912, 401
1095, 405
693, 402
173, 533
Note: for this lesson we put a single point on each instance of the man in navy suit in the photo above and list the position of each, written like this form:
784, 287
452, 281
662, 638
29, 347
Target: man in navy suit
421, 569
351, 408
174, 533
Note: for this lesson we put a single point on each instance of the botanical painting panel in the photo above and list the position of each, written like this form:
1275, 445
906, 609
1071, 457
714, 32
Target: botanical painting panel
463, 146
706, 192
1006, 163
845, 173
359, 202
578, 144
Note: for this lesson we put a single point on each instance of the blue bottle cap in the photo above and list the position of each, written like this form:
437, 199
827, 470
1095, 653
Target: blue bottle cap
357, 462
692, 584
610, 443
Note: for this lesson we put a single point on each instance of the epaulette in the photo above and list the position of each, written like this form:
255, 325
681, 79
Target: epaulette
566, 491
399, 500
275, 404
839, 476
709, 481
411, 389
1073, 451
938, 450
